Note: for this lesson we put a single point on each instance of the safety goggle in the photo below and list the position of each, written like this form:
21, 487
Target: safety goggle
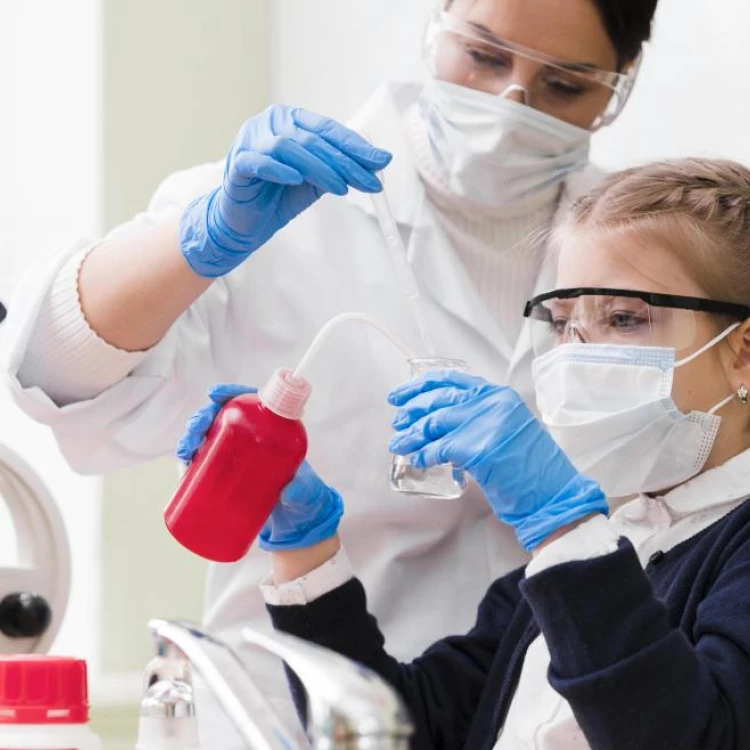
469, 55
3, 312
623, 317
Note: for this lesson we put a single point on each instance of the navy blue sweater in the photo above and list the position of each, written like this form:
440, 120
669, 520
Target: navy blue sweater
647, 660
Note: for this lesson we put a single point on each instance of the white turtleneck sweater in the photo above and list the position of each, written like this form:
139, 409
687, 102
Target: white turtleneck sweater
501, 248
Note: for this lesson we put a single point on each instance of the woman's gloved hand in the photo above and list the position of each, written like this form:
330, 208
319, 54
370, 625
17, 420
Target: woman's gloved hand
280, 163
486, 429
308, 510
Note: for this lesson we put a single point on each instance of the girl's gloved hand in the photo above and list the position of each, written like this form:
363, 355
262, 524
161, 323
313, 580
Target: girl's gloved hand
280, 163
198, 424
486, 429
308, 510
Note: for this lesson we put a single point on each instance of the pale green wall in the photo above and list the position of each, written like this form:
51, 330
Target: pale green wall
116, 725
179, 77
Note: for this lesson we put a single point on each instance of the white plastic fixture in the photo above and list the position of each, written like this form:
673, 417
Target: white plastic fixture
42, 567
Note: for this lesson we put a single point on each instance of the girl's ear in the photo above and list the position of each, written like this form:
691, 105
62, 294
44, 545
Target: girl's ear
740, 368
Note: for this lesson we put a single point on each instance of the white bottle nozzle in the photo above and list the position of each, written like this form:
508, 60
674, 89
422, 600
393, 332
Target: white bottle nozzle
325, 332
285, 394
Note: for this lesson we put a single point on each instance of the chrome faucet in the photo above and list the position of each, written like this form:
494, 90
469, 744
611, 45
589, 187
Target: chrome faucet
349, 707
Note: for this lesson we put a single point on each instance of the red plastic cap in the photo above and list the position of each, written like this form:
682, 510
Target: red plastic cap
37, 689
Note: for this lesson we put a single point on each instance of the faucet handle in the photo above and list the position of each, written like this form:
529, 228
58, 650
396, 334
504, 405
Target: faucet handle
347, 702
170, 663
167, 717
222, 670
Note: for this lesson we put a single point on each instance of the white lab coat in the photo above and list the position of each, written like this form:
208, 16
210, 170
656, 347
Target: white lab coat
425, 564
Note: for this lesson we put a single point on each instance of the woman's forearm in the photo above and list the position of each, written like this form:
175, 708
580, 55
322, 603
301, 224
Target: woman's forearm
290, 565
133, 287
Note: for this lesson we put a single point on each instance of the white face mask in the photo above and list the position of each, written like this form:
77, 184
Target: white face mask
495, 151
610, 409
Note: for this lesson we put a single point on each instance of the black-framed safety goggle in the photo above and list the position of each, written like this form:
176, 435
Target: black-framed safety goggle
535, 308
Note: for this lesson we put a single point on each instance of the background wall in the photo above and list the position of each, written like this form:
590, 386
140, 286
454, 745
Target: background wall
329, 54
691, 98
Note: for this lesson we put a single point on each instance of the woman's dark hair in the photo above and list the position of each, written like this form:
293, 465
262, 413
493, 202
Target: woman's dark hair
628, 24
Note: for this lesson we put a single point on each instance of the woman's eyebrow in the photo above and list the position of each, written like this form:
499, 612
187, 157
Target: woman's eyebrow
572, 66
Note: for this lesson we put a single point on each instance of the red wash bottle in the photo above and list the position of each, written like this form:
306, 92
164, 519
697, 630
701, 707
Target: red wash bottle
251, 452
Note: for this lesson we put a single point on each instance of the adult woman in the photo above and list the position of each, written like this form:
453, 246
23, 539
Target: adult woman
622, 632
483, 154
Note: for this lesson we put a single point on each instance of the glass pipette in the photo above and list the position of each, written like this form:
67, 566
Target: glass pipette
402, 267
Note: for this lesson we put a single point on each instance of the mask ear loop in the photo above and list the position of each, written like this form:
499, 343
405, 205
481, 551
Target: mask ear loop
705, 348
725, 402
708, 346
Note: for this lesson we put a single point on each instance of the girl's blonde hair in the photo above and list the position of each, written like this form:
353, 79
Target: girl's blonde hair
699, 207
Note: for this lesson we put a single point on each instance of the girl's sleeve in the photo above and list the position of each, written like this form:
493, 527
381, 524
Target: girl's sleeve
442, 687
632, 677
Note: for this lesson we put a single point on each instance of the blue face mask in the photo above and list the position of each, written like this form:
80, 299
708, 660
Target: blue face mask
496, 151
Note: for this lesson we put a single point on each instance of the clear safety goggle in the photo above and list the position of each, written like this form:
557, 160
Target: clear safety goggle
462, 53
624, 317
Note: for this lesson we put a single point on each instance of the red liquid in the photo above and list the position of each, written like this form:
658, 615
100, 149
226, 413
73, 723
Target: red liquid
235, 480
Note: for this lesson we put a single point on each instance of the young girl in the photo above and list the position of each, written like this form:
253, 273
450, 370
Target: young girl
627, 631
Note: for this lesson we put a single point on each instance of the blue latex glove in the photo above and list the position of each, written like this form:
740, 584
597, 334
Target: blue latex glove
308, 510
486, 429
198, 424
280, 163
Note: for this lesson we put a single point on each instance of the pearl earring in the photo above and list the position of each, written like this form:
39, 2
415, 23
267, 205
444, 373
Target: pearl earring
742, 393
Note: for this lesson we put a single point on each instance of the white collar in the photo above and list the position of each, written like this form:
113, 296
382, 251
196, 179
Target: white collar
661, 523
723, 484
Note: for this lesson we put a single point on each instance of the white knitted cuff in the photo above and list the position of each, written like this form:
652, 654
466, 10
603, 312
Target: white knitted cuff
65, 357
